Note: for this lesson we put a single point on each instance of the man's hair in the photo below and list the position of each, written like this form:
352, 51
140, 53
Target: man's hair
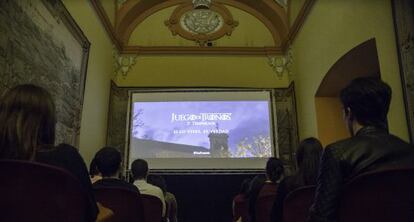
108, 160
139, 169
93, 169
274, 169
369, 100
27, 122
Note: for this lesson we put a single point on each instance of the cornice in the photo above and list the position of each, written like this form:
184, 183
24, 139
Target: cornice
194, 50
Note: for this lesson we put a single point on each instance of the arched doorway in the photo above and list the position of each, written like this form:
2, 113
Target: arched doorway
360, 61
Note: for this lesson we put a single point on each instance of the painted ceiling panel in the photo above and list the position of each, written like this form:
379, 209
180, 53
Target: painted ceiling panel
250, 32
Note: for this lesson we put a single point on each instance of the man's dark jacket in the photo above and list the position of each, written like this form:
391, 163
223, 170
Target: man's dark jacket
370, 149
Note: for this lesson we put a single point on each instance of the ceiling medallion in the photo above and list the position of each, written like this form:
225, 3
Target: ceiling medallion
201, 21
201, 25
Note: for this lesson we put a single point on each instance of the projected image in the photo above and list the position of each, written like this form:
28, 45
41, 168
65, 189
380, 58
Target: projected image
235, 129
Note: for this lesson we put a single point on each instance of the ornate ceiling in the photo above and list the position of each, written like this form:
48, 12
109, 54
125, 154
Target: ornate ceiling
129, 14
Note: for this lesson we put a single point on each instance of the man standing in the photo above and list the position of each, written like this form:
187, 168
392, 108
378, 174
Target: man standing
365, 102
139, 170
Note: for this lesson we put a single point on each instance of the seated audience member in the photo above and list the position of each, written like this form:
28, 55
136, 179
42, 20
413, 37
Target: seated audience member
139, 169
307, 158
108, 162
93, 172
170, 199
264, 186
240, 199
371, 147
27, 132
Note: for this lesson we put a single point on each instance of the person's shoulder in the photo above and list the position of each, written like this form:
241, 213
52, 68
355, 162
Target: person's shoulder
114, 183
69, 151
339, 147
58, 153
66, 148
341, 143
156, 188
128, 185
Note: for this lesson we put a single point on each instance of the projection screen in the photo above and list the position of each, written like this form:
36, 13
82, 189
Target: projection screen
201, 130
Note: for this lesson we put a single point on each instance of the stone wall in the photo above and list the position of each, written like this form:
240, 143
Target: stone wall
404, 26
38, 46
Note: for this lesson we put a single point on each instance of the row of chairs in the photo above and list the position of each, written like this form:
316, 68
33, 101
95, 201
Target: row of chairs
37, 192
381, 196
130, 206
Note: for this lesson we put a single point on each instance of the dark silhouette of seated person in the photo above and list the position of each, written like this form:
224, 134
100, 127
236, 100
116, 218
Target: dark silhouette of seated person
170, 200
139, 169
27, 132
262, 187
307, 158
108, 162
240, 210
371, 147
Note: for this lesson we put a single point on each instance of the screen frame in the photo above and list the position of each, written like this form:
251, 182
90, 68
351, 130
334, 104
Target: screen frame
272, 119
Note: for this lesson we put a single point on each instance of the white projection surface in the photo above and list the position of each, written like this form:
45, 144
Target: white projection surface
208, 130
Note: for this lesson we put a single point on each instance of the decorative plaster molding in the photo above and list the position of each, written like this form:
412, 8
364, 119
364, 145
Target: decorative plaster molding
201, 21
120, 3
282, 64
201, 25
283, 3
201, 3
196, 50
123, 63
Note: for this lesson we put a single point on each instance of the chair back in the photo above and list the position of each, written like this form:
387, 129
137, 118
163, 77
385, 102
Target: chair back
241, 209
125, 204
264, 204
152, 208
171, 207
297, 203
381, 196
32, 191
